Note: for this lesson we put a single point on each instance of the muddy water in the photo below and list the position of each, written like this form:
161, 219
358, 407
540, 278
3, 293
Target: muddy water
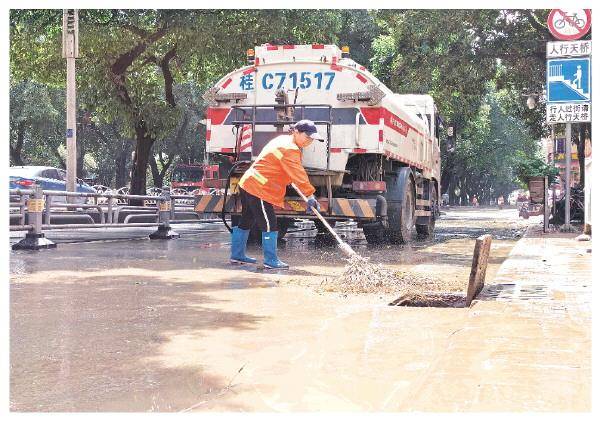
170, 326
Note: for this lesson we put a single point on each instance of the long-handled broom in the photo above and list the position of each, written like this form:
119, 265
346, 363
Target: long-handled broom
342, 245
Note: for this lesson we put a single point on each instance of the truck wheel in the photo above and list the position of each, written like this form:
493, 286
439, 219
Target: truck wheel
426, 230
402, 217
323, 236
374, 235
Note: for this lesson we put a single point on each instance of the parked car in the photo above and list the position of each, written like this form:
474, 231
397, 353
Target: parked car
49, 178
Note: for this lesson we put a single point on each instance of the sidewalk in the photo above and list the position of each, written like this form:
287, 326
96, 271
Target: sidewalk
526, 345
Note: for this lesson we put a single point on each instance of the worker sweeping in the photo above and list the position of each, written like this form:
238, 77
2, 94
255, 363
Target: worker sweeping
263, 186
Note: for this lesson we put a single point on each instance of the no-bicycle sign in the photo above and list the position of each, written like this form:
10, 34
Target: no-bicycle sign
569, 24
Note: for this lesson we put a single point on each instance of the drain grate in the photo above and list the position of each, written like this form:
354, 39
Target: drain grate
510, 291
498, 291
433, 299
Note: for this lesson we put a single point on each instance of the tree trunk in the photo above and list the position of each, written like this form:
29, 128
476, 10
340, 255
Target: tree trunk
450, 191
121, 164
143, 146
157, 177
463, 194
15, 151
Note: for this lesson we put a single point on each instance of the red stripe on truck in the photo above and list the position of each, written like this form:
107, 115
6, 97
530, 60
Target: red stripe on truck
318, 46
289, 47
335, 150
361, 78
394, 122
251, 70
227, 150
217, 115
271, 47
371, 114
226, 84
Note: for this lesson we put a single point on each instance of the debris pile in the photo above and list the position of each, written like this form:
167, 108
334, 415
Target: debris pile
362, 276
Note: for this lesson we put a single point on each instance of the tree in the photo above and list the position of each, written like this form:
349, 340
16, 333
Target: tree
36, 124
185, 143
487, 152
130, 60
534, 166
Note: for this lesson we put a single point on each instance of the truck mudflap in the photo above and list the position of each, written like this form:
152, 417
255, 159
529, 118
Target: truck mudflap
348, 208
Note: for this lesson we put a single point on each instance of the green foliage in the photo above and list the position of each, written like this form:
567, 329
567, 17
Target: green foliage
37, 124
528, 166
141, 74
435, 52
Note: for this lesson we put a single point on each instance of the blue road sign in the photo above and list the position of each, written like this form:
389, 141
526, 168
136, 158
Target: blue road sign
568, 80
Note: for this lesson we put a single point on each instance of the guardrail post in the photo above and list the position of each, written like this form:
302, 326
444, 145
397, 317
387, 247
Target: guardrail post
164, 231
35, 239
109, 210
47, 210
22, 205
172, 210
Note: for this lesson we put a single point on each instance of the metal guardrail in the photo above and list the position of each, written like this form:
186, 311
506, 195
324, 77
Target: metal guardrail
37, 207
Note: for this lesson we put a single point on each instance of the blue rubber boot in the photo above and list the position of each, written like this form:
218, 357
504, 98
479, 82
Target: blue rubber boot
269, 243
239, 238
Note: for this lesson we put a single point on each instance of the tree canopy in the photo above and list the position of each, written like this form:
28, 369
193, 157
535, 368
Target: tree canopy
141, 75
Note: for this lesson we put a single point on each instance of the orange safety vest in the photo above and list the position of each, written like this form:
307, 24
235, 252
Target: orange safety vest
279, 164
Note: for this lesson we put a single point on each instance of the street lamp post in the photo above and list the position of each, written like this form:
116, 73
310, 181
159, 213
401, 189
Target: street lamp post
70, 51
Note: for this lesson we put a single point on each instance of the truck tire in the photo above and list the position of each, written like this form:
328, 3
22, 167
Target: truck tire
426, 230
375, 235
323, 236
401, 208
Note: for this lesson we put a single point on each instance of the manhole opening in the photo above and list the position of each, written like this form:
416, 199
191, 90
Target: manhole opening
436, 299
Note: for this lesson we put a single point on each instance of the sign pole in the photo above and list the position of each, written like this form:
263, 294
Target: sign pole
546, 208
568, 147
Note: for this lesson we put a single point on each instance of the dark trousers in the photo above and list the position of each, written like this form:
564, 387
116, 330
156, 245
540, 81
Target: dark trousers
257, 212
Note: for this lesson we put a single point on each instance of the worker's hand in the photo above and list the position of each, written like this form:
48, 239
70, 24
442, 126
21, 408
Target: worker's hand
311, 202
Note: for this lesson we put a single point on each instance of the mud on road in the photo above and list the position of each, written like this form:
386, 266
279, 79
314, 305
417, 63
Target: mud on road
140, 325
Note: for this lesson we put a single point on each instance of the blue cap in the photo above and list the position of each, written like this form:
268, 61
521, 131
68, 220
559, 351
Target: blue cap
308, 127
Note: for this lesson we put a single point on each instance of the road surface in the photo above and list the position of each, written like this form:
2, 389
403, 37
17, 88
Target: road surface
143, 325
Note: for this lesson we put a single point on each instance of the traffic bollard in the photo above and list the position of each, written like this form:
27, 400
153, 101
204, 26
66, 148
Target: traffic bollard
164, 231
35, 239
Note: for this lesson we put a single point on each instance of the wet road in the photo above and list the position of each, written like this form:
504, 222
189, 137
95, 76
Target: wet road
142, 325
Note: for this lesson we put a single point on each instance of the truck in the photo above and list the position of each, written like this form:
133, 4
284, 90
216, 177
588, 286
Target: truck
379, 164
194, 176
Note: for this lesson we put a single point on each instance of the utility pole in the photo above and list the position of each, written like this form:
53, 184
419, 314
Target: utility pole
70, 51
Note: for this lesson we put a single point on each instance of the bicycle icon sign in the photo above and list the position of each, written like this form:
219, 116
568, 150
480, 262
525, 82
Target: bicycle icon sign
569, 24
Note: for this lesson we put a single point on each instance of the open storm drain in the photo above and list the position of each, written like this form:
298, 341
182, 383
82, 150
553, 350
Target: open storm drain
433, 299
453, 299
